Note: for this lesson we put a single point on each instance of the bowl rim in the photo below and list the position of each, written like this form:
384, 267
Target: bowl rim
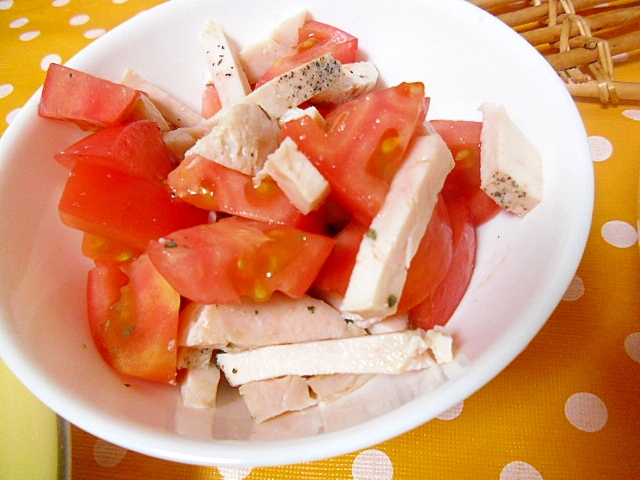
261, 453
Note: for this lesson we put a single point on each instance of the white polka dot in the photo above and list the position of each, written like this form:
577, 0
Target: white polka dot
19, 22
12, 115
79, 19
632, 346
586, 412
519, 471
26, 36
372, 465
234, 473
632, 114
60, 3
119, 1
48, 60
94, 33
6, 90
575, 290
453, 412
601, 148
107, 454
6, 4
619, 234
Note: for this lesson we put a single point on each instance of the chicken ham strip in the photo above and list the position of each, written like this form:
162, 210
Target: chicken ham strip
253, 324
389, 353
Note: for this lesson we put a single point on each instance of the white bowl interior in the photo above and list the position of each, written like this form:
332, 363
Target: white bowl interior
465, 57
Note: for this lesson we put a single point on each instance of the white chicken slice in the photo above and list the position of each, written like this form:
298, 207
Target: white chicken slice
227, 73
171, 108
386, 251
199, 387
330, 387
258, 57
276, 97
269, 398
254, 324
510, 166
144, 108
389, 353
296, 113
241, 138
297, 177
359, 79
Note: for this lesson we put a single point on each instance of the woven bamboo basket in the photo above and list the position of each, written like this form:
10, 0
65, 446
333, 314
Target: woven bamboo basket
581, 39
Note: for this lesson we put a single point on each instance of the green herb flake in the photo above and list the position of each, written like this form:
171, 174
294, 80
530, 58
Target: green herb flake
392, 300
171, 244
311, 308
127, 332
348, 320
372, 234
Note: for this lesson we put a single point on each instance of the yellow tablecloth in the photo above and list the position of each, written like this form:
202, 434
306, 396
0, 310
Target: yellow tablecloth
566, 408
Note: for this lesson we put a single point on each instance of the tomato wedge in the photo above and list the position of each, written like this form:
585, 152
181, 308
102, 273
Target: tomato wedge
106, 250
88, 101
209, 185
222, 262
136, 148
336, 271
369, 136
133, 316
438, 307
104, 201
315, 40
463, 139
431, 261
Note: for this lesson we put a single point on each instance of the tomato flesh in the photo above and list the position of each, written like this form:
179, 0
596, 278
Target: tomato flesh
133, 317
463, 139
223, 261
369, 136
315, 40
136, 148
210, 101
106, 250
209, 185
438, 307
95, 103
431, 261
104, 201
336, 271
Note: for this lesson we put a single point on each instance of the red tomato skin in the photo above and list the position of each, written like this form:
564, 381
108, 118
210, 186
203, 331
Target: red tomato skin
368, 135
109, 203
432, 260
136, 148
210, 101
336, 271
98, 144
481, 207
89, 101
463, 139
438, 307
315, 40
221, 262
133, 317
140, 150
106, 250
209, 185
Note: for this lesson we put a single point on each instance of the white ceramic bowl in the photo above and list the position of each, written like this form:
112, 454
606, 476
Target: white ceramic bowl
465, 57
